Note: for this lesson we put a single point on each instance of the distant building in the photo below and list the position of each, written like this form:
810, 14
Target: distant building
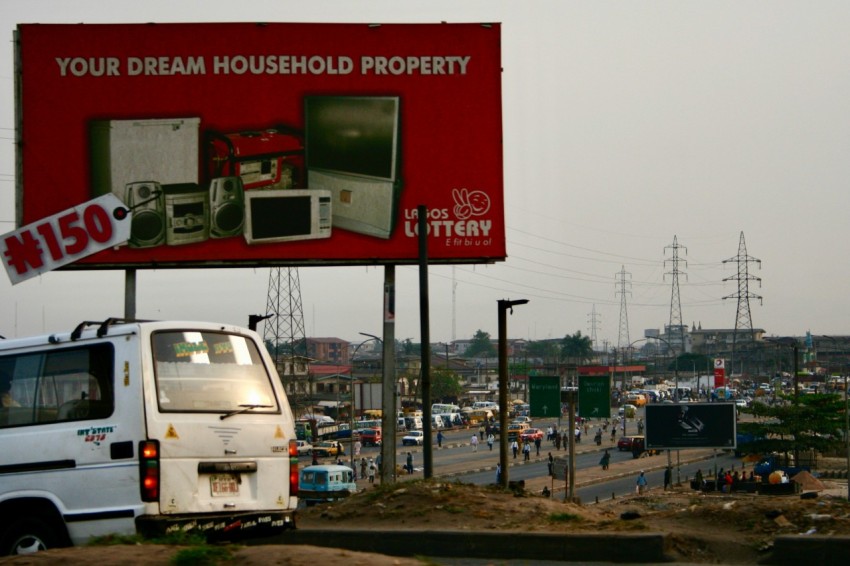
331, 350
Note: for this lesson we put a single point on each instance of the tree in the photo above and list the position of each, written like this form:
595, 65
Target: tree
481, 346
812, 422
445, 384
577, 348
544, 349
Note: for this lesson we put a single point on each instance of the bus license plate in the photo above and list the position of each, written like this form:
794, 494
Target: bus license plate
224, 485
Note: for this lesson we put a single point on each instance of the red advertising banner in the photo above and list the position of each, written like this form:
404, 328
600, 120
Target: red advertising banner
719, 372
267, 144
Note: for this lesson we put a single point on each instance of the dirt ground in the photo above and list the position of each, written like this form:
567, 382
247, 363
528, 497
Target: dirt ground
700, 528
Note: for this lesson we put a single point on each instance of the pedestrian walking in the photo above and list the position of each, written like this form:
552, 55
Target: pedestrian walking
498, 474
357, 447
668, 478
526, 451
474, 442
514, 448
605, 460
439, 439
641, 484
409, 463
598, 437
363, 468
537, 446
371, 471
551, 465
490, 440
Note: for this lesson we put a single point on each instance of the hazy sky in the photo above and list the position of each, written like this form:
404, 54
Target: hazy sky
626, 124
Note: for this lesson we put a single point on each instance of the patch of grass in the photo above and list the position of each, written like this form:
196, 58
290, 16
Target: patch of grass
563, 517
202, 556
113, 540
454, 510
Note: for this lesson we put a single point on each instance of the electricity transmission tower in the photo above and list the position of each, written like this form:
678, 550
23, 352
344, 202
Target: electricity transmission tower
623, 334
676, 328
594, 322
743, 318
284, 331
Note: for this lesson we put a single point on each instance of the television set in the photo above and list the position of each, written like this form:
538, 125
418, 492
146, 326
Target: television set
352, 146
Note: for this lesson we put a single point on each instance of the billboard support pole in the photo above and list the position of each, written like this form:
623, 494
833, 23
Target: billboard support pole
130, 294
389, 385
425, 325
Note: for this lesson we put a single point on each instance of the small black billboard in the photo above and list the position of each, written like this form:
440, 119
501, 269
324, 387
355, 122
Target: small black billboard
690, 425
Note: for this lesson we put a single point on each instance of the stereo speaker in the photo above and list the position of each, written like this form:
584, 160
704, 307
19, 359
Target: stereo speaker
147, 203
227, 207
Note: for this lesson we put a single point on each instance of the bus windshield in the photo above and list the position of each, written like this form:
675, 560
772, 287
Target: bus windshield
212, 372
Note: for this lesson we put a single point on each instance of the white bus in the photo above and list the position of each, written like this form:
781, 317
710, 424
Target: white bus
443, 409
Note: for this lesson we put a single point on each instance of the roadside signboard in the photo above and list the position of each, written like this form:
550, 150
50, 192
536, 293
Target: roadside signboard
719, 372
690, 425
544, 396
594, 396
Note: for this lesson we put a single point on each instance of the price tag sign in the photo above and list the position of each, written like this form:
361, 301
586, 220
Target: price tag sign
65, 237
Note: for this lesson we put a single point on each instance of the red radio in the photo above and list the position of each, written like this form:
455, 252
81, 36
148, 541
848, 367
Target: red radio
269, 159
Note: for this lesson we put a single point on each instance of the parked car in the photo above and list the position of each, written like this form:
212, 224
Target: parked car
304, 447
328, 448
531, 434
413, 438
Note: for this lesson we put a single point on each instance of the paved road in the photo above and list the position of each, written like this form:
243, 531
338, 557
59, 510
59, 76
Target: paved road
456, 459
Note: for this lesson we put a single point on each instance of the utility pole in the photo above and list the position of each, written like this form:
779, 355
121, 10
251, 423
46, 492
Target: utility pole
504, 307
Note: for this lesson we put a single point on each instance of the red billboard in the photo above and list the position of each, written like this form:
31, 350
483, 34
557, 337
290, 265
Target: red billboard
266, 144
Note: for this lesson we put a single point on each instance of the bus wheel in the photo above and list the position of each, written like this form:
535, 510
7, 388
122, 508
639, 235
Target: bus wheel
27, 536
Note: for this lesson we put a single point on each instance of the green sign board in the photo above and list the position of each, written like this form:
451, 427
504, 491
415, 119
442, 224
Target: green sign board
594, 396
544, 396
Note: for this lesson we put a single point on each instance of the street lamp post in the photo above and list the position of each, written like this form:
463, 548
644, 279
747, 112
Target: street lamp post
351, 396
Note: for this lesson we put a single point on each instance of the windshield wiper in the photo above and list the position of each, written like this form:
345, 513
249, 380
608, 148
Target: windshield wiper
245, 408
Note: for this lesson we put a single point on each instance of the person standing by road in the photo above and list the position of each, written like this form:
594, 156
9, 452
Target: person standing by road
641, 483
474, 442
526, 451
409, 463
605, 460
668, 478
490, 440
439, 439
514, 447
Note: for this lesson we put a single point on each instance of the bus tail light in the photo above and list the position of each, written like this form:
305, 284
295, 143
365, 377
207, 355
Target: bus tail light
293, 468
149, 470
